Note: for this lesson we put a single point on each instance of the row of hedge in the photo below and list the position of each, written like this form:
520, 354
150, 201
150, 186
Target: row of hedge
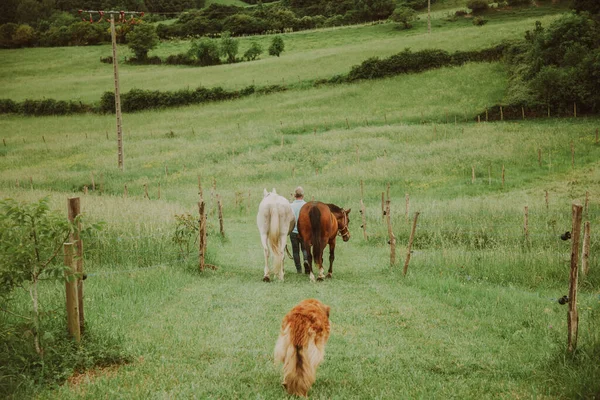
137, 99
413, 62
132, 101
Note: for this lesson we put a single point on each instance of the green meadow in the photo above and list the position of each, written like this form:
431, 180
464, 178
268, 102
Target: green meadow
476, 316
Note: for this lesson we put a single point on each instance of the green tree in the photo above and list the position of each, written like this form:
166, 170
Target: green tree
31, 238
404, 16
253, 52
205, 51
277, 46
229, 47
24, 36
142, 40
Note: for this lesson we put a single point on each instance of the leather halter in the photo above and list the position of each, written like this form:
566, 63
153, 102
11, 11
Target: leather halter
343, 232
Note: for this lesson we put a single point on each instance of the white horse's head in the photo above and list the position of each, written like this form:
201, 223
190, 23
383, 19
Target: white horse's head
265, 193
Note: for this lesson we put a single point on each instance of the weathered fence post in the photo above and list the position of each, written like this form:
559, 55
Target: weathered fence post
585, 252
220, 208
363, 211
71, 294
392, 240
74, 207
526, 224
410, 242
572, 315
202, 235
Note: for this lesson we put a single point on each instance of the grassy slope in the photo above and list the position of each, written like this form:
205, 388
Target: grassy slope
475, 317
76, 73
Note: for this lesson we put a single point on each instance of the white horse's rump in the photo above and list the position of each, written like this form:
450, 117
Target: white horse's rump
275, 221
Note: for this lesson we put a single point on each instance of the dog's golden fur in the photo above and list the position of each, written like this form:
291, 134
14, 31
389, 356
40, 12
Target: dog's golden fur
301, 345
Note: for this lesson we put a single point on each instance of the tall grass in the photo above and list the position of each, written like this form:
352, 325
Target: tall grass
475, 317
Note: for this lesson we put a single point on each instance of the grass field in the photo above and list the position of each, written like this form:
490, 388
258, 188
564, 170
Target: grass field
475, 317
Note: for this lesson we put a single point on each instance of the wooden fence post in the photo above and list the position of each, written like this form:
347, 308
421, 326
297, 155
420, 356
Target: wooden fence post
220, 207
501, 114
146, 191
363, 211
546, 199
158, 190
74, 207
202, 235
585, 253
392, 239
382, 206
71, 294
572, 315
410, 242
526, 224
585, 205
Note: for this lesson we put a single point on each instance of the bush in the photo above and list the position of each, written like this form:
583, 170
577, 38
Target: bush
518, 2
205, 51
229, 47
142, 40
253, 52
24, 36
404, 16
180, 59
6, 35
277, 46
479, 21
477, 6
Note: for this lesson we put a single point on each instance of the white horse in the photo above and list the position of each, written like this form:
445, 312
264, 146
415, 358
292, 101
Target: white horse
275, 221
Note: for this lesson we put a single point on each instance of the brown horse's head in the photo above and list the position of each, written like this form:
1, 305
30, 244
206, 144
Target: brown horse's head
342, 219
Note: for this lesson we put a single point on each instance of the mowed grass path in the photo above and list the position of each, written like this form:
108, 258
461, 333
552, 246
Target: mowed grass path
423, 336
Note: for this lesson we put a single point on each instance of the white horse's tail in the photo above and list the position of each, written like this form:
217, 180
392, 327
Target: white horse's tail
275, 238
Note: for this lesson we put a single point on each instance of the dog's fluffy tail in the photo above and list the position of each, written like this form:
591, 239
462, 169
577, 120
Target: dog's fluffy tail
300, 361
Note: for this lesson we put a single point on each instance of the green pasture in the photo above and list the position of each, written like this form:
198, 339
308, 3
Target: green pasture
76, 73
476, 316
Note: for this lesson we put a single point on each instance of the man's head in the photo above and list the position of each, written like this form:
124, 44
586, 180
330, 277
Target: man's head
299, 192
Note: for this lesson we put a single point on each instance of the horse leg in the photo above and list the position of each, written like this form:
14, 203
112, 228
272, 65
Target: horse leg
331, 257
263, 239
320, 261
308, 261
282, 242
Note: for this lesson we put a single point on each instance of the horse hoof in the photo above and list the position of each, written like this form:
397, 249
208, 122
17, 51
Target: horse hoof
320, 279
266, 279
328, 276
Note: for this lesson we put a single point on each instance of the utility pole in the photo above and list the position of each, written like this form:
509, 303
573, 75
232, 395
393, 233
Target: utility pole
429, 16
113, 34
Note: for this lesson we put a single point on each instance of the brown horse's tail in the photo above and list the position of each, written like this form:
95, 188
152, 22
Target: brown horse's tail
315, 222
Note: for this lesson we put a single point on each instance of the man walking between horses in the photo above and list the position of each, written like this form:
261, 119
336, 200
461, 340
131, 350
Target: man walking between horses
296, 242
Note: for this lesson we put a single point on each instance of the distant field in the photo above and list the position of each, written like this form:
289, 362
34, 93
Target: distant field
77, 73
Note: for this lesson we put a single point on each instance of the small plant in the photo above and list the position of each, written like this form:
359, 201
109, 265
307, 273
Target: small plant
205, 51
106, 60
277, 46
186, 233
479, 21
170, 134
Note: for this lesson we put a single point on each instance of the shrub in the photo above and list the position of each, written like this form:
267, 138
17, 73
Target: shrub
106, 60
24, 36
142, 40
180, 59
404, 16
518, 2
253, 52
229, 47
8, 106
477, 6
6, 34
277, 46
205, 51
479, 21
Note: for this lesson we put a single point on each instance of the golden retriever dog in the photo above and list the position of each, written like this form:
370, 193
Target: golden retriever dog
301, 345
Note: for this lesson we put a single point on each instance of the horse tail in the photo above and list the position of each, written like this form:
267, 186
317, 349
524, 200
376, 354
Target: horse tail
315, 223
274, 238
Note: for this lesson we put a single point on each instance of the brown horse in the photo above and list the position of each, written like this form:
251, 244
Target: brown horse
318, 225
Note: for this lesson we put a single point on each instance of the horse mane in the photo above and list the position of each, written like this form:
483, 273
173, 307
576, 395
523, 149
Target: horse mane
334, 208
